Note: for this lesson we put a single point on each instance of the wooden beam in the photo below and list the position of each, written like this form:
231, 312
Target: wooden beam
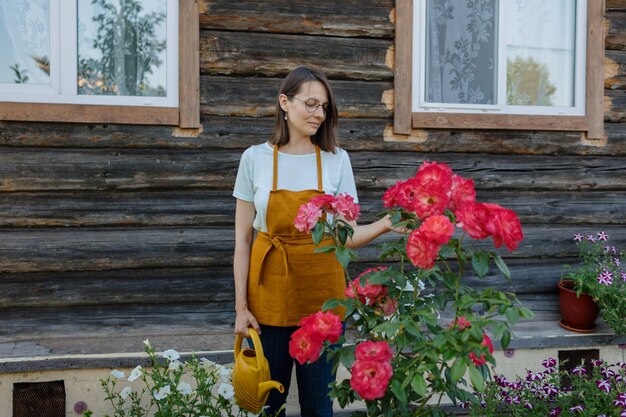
499, 121
80, 113
595, 71
189, 65
403, 67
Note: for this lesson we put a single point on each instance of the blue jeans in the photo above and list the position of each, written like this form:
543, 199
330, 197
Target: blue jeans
313, 379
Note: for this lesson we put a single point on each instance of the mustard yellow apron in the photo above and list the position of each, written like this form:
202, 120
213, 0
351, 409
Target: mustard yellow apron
287, 280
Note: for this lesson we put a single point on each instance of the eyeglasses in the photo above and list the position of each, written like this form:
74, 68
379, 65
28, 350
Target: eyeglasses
311, 104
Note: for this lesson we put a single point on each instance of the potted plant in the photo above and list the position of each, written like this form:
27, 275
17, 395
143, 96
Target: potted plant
556, 392
596, 285
422, 333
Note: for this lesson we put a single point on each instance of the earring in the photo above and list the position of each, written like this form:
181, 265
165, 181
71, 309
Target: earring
285, 116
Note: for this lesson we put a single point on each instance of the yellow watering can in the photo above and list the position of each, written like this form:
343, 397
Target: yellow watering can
251, 375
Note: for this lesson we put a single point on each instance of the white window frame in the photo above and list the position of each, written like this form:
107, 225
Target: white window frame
504, 7
63, 87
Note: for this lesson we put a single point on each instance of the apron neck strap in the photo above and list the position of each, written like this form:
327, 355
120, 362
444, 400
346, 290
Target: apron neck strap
318, 158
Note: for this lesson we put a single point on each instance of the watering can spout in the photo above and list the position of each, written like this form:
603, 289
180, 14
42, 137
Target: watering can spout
266, 386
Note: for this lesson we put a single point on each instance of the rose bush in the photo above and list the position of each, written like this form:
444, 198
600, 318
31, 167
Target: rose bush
421, 333
556, 392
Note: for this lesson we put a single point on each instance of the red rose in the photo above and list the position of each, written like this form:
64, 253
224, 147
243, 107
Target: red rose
303, 348
376, 351
463, 192
421, 251
322, 326
370, 378
438, 229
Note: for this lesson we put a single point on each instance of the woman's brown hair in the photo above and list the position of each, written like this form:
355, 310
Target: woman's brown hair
326, 135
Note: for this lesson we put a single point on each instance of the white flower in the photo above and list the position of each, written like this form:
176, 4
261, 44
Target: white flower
163, 392
146, 343
175, 365
184, 388
136, 373
224, 372
206, 364
125, 393
226, 391
171, 354
118, 374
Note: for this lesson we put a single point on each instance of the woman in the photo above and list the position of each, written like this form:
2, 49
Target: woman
279, 278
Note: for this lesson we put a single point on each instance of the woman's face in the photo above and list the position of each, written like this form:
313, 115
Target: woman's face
300, 121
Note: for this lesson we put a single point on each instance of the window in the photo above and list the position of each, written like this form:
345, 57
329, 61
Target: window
99, 60
502, 64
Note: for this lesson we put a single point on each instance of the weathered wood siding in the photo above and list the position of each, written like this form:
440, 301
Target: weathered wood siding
118, 228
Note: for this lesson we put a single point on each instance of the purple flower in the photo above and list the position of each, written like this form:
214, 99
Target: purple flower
550, 389
623, 413
579, 370
603, 236
617, 262
578, 408
619, 403
607, 372
549, 363
578, 237
603, 385
555, 412
622, 396
621, 364
534, 376
605, 278
623, 275
464, 404
591, 238
597, 362
512, 400
528, 406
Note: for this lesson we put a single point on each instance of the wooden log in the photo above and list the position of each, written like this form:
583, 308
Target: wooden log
158, 208
350, 18
615, 70
237, 133
85, 249
615, 106
132, 287
216, 208
228, 96
616, 5
99, 321
615, 30
24, 169
238, 53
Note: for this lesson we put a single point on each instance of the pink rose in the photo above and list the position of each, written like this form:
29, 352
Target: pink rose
307, 217
324, 201
438, 229
463, 192
421, 251
345, 206
507, 228
430, 199
303, 348
373, 351
370, 378
475, 220
436, 172
323, 326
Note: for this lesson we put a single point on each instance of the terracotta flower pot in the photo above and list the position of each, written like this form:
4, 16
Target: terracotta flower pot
578, 314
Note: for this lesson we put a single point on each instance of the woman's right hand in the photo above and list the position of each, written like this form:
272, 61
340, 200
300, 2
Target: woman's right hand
245, 320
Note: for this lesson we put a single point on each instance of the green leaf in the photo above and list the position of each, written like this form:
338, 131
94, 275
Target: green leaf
343, 234
325, 249
399, 392
477, 379
506, 339
480, 263
502, 266
418, 383
318, 233
344, 255
458, 369
330, 304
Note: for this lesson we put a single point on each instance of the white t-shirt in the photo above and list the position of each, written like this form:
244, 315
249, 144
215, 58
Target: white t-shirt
295, 173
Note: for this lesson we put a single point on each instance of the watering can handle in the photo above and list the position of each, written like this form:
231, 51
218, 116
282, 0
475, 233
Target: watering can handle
256, 342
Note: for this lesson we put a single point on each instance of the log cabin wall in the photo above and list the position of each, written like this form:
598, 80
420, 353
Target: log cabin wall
108, 226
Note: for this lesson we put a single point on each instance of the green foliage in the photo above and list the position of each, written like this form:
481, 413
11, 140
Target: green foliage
171, 388
431, 352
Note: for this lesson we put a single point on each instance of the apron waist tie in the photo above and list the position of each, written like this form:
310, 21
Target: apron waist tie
270, 241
